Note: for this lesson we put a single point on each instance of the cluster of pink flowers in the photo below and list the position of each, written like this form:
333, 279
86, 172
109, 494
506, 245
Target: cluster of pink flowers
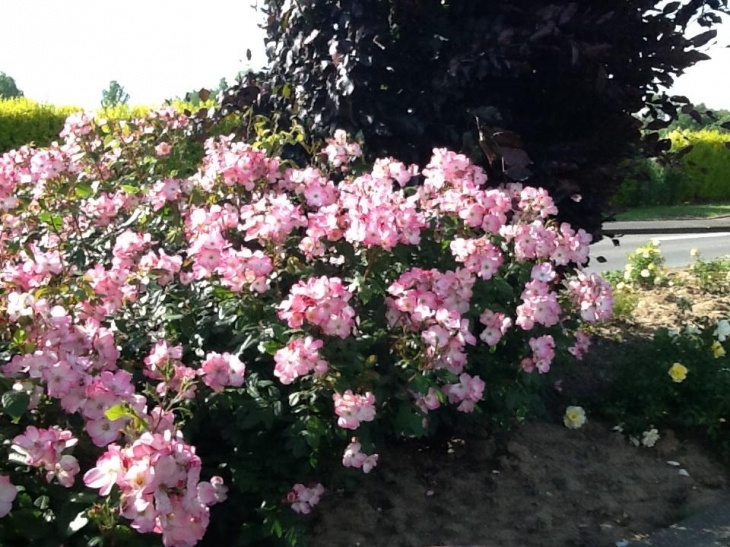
158, 476
213, 254
164, 266
432, 302
299, 358
164, 363
222, 370
582, 344
539, 306
467, 392
543, 353
377, 215
353, 409
302, 498
429, 401
235, 164
479, 256
77, 365
354, 457
340, 152
495, 326
593, 295
536, 241
271, 218
44, 448
321, 301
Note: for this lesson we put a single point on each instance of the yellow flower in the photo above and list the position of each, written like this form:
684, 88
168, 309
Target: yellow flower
717, 349
678, 372
574, 417
694, 252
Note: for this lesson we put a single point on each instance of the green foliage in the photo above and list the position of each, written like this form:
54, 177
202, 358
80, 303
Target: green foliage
650, 182
707, 163
114, 95
697, 117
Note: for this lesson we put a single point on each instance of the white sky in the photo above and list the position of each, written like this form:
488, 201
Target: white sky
67, 51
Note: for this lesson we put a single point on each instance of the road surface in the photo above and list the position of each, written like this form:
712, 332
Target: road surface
675, 248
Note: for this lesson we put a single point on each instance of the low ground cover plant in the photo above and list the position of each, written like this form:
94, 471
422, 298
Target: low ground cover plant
679, 379
186, 329
671, 378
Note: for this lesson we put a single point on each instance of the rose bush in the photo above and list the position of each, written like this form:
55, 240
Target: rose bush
182, 328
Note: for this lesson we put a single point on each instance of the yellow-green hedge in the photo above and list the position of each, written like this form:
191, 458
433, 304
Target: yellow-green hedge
708, 163
23, 121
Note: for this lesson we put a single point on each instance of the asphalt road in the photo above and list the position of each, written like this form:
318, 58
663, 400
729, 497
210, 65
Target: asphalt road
675, 248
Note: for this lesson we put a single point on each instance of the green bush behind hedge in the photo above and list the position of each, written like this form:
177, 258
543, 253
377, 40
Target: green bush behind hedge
24, 121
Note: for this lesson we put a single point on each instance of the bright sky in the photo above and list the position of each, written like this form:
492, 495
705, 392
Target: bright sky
67, 51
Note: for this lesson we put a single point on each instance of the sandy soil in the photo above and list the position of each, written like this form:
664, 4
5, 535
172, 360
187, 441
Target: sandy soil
542, 485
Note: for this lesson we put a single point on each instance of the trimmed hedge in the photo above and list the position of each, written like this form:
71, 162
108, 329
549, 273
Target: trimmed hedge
23, 121
707, 165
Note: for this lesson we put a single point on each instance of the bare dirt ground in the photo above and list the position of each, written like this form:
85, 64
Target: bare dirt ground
663, 306
542, 485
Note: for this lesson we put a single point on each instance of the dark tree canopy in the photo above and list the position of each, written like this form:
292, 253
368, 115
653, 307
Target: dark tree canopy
561, 80
8, 87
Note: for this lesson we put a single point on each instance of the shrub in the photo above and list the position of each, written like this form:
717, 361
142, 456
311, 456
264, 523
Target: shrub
645, 267
283, 321
713, 276
707, 164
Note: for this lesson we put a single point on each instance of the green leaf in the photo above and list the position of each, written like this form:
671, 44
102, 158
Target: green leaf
83, 190
270, 347
18, 340
365, 293
117, 412
409, 420
53, 220
130, 189
15, 403
421, 383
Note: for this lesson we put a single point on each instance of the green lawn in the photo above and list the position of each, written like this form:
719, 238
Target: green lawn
675, 212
